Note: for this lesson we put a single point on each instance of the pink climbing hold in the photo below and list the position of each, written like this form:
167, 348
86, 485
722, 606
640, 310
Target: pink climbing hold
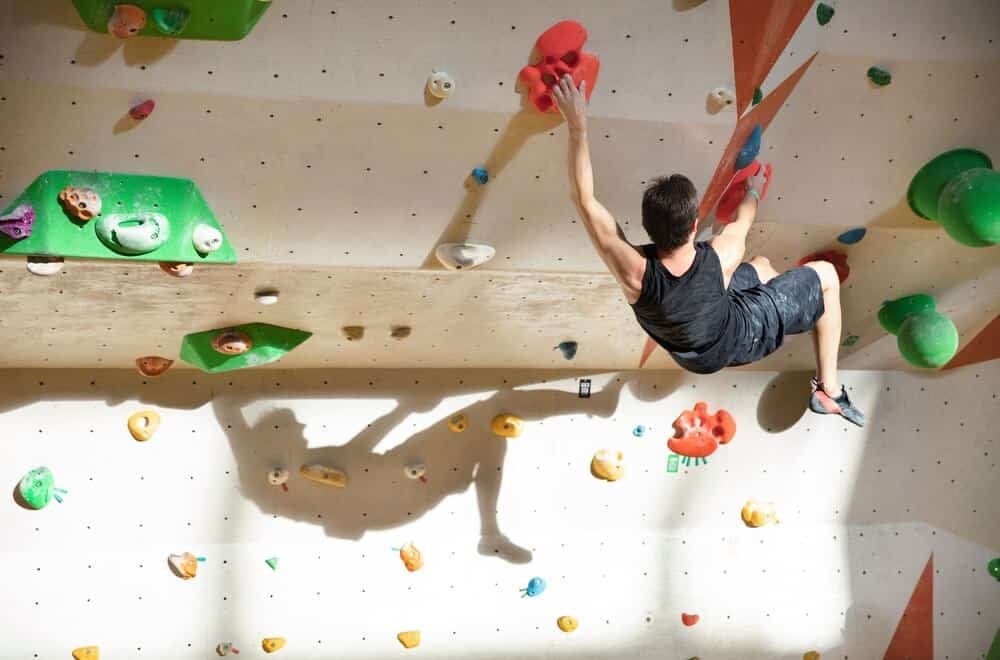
18, 223
689, 619
142, 110
736, 191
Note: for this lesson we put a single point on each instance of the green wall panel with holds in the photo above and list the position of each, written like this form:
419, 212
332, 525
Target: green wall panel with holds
223, 20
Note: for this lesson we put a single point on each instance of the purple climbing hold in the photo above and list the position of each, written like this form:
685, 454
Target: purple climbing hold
852, 236
18, 223
750, 149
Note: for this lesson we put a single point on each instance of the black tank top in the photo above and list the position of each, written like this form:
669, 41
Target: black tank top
690, 315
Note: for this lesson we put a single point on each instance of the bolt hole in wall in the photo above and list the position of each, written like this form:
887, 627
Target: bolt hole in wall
499, 513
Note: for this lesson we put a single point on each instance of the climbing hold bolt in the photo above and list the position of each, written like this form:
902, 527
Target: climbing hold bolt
143, 424
480, 175
142, 110
536, 586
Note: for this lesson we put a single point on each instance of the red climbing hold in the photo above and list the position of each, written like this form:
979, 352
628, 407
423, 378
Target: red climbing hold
143, 110
560, 53
838, 259
737, 191
698, 434
689, 619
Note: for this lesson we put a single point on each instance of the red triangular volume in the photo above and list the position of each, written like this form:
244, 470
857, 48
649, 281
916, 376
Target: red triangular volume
761, 29
647, 350
914, 636
762, 114
984, 347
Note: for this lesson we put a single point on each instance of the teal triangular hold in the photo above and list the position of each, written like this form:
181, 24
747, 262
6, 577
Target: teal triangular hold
272, 562
170, 22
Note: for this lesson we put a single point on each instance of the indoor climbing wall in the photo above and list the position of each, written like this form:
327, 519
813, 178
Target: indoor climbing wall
317, 146
860, 513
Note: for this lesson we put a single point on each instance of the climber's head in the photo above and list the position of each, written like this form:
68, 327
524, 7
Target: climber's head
669, 211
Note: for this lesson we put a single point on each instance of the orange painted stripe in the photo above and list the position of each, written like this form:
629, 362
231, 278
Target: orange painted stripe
762, 114
984, 347
914, 636
761, 29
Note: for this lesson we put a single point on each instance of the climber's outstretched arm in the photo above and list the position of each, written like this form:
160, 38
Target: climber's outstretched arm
621, 258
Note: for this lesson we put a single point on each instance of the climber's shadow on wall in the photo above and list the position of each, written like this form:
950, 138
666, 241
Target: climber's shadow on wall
379, 495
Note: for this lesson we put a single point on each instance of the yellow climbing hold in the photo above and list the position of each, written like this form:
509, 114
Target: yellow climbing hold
567, 623
758, 514
322, 474
143, 424
607, 464
272, 644
409, 638
507, 426
810, 655
458, 423
87, 653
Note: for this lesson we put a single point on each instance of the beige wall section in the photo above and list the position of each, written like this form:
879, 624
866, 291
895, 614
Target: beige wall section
312, 173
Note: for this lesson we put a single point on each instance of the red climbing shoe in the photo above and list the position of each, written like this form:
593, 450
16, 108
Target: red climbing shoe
822, 403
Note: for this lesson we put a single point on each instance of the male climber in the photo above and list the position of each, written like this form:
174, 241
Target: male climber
699, 301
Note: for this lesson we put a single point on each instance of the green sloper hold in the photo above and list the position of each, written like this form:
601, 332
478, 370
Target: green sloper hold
170, 22
969, 208
928, 340
880, 77
824, 13
928, 183
270, 343
894, 312
37, 488
272, 562
55, 235
227, 20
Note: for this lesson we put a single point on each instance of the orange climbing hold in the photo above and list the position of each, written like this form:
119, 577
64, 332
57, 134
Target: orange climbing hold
838, 259
689, 619
411, 557
698, 434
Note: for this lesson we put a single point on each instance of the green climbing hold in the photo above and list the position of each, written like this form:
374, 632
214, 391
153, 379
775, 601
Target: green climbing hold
272, 562
994, 652
757, 96
994, 567
928, 340
261, 343
851, 340
824, 13
969, 207
894, 312
880, 77
170, 22
928, 183
37, 488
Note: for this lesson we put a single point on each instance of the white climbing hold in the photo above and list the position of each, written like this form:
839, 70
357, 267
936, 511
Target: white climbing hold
206, 239
266, 296
440, 84
719, 99
44, 266
463, 256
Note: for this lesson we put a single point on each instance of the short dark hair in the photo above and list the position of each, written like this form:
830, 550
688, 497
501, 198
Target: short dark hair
669, 211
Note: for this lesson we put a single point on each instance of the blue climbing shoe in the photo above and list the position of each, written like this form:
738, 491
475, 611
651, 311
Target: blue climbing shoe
822, 403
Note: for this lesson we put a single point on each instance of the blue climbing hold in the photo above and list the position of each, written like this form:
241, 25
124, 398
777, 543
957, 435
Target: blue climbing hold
639, 431
480, 175
750, 149
568, 349
536, 586
852, 236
